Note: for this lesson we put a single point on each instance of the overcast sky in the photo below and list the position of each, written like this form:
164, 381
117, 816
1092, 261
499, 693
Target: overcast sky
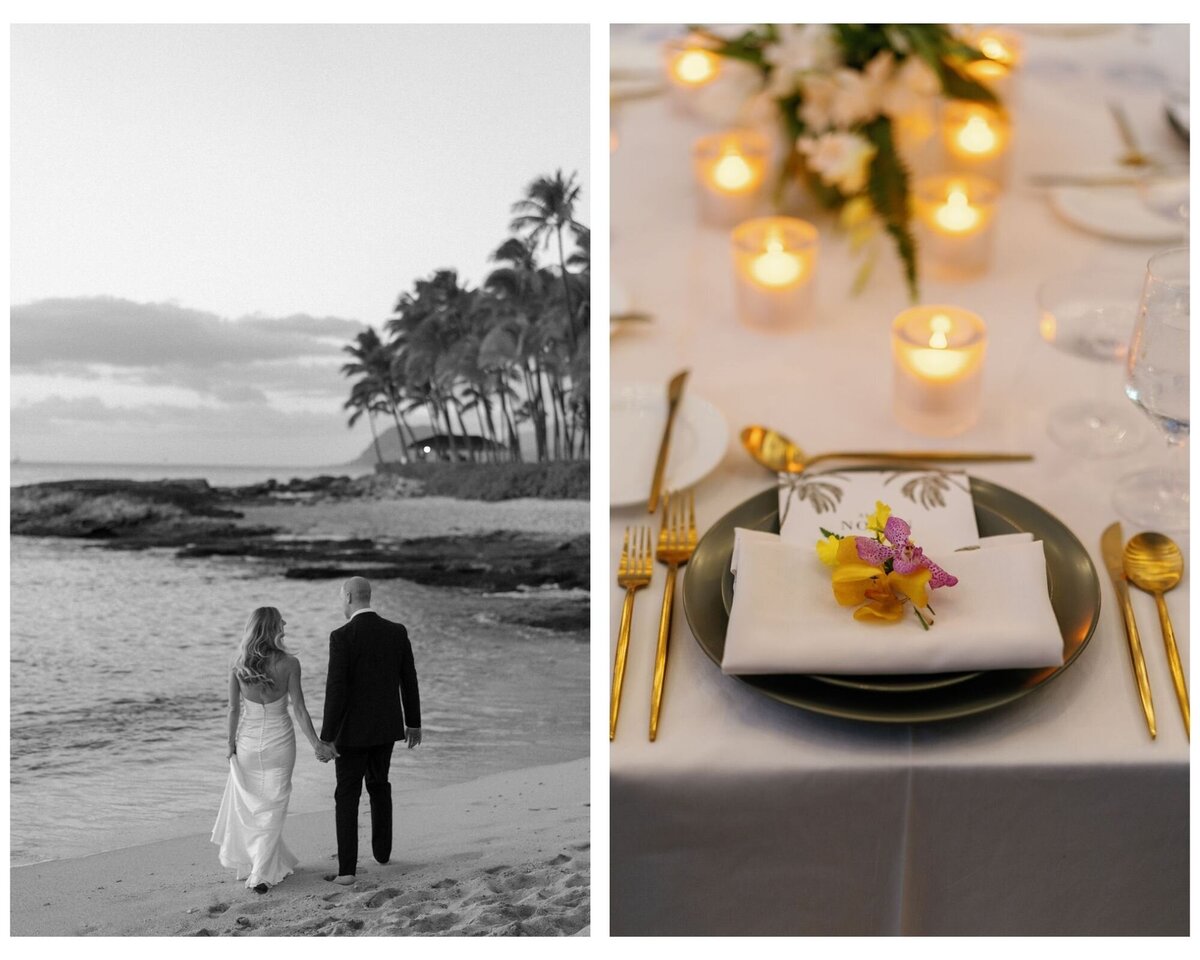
202, 215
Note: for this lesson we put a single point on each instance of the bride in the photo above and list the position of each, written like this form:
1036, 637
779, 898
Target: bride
262, 753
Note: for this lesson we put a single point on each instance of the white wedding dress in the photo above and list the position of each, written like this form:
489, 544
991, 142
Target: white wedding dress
249, 827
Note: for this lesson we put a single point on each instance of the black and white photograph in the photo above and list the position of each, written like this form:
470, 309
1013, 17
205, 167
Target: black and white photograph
300, 446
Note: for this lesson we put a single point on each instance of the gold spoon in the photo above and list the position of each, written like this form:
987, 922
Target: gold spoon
1154, 563
779, 455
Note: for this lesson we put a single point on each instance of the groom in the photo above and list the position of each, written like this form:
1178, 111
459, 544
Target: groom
370, 671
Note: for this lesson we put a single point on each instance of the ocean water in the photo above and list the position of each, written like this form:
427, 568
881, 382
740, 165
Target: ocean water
119, 681
21, 473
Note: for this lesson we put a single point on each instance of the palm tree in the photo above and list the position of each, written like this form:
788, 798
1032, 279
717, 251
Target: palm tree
547, 208
373, 359
511, 347
364, 398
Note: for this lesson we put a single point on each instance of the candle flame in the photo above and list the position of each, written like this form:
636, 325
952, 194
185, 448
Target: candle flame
994, 48
977, 136
695, 67
776, 267
957, 215
732, 172
941, 325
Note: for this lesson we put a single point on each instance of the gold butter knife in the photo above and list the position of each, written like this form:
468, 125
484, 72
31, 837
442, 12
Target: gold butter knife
674, 395
1112, 549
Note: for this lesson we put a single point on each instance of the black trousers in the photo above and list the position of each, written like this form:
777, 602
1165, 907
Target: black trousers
353, 766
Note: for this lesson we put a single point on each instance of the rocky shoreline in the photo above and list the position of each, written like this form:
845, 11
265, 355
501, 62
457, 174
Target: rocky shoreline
198, 520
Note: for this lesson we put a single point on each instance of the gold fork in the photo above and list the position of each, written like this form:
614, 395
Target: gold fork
676, 543
633, 573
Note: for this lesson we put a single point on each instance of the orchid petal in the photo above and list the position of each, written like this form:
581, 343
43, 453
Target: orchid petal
872, 551
909, 559
912, 585
827, 550
939, 577
897, 531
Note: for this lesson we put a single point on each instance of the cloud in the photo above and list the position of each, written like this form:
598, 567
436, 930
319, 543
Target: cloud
167, 344
87, 429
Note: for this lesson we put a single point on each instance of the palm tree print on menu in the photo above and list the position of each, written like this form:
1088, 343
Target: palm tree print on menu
927, 489
825, 494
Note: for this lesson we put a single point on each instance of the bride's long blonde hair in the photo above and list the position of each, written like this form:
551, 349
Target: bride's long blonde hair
260, 646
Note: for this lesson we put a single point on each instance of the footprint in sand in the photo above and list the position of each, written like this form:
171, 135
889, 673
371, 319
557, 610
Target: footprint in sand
438, 923
381, 897
581, 846
560, 859
217, 908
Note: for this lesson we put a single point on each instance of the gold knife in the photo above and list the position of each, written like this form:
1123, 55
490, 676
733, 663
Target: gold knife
1112, 548
674, 394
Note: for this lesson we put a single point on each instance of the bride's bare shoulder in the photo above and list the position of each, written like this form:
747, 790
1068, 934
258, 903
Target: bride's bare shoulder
289, 663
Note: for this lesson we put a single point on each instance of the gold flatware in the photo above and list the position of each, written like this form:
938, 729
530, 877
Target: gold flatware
676, 544
1112, 549
778, 454
1154, 563
674, 394
633, 573
1133, 156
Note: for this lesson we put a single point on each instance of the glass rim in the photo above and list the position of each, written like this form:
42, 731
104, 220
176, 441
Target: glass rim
1154, 266
933, 188
750, 142
799, 235
904, 325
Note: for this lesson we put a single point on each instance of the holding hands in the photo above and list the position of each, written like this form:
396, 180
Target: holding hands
325, 751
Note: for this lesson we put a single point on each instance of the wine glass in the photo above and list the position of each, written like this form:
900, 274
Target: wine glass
1158, 383
1089, 315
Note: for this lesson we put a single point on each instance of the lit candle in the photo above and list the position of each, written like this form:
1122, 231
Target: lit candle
689, 66
999, 46
730, 170
976, 138
954, 214
774, 261
937, 368
694, 67
1001, 50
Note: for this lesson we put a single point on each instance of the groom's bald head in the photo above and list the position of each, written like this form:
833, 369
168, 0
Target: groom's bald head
356, 594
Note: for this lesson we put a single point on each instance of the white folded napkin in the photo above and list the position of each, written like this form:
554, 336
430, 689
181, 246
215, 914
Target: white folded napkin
936, 504
785, 619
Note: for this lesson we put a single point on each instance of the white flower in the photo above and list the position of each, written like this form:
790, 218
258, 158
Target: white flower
725, 100
802, 48
912, 89
840, 159
816, 109
847, 97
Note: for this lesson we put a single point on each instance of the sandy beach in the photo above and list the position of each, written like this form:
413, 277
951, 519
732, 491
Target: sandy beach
502, 855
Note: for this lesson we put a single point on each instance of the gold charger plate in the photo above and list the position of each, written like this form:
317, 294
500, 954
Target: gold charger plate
1074, 595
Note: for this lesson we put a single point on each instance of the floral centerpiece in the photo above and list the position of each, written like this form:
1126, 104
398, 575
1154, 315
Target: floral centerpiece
844, 94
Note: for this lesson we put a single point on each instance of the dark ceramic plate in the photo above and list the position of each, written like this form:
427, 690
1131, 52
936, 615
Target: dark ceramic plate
1074, 595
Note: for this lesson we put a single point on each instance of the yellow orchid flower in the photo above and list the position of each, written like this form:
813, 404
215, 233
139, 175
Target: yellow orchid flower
827, 550
876, 594
878, 520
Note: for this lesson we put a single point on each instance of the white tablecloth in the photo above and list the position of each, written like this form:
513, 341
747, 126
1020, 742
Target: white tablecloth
1053, 815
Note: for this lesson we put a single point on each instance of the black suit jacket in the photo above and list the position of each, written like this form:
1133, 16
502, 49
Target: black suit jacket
370, 669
